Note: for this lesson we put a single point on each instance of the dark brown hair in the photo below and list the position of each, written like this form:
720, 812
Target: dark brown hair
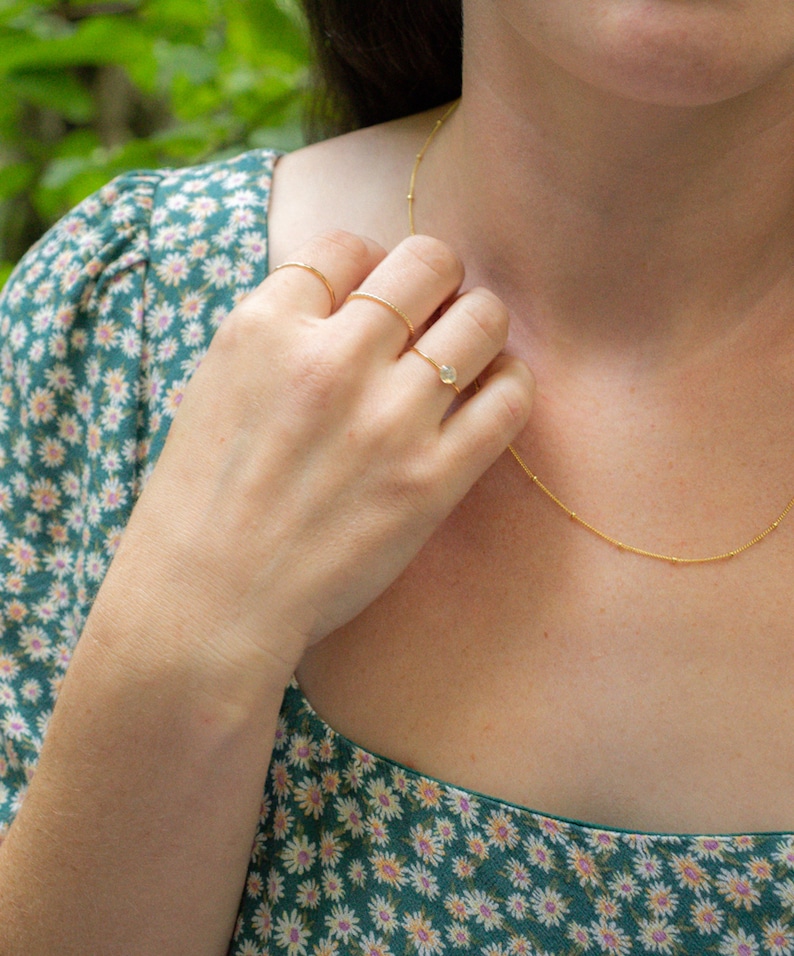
377, 60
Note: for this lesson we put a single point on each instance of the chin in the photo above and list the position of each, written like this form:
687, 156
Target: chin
671, 52
678, 84
685, 52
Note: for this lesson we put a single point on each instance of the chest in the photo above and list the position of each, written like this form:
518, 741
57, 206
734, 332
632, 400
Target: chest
522, 657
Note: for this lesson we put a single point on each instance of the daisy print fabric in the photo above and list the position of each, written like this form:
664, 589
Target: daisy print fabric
356, 854
101, 326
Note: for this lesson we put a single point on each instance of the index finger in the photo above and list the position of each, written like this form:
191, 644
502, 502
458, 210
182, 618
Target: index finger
323, 271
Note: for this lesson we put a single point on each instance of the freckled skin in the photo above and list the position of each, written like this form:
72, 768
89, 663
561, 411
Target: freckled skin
607, 153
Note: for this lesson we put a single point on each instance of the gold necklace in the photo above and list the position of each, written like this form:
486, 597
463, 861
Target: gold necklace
610, 539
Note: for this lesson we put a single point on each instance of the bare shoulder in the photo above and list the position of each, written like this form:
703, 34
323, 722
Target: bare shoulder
356, 182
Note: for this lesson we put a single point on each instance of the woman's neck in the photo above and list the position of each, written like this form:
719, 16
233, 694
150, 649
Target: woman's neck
616, 226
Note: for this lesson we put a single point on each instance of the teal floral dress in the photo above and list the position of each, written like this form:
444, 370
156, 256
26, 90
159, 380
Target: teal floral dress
101, 327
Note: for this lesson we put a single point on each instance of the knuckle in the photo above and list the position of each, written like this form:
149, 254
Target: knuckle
488, 313
318, 378
384, 420
436, 256
514, 407
417, 482
242, 325
335, 242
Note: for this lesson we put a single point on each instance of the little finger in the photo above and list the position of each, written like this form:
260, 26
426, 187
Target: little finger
482, 428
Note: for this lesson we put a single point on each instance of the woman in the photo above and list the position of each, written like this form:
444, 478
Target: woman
617, 178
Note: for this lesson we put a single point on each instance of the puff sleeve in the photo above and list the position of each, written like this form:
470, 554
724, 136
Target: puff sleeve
101, 326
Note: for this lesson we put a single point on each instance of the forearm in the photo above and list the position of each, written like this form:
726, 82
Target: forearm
136, 831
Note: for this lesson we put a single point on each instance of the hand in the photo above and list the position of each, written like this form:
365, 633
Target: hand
313, 455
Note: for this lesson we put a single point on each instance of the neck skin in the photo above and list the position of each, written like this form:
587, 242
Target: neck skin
614, 228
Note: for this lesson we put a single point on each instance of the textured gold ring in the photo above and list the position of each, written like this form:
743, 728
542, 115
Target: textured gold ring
389, 305
314, 272
447, 373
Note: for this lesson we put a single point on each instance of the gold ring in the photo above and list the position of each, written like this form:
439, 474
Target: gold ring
389, 305
447, 373
314, 272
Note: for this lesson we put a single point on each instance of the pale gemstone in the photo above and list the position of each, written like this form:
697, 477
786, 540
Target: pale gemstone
448, 374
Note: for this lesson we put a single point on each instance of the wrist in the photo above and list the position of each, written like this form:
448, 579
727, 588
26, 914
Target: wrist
182, 655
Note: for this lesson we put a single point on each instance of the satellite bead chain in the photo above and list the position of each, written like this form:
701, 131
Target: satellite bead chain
610, 539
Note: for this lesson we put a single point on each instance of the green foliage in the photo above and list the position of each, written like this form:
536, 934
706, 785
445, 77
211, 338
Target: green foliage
91, 88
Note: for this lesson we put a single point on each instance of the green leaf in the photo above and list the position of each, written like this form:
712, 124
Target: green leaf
80, 142
93, 42
206, 79
180, 17
55, 90
287, 137
62, 172
74, 182
6, 268
194, 63
14, 179
256, 27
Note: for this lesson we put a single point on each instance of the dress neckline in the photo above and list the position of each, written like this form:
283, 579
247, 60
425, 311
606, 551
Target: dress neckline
296, 699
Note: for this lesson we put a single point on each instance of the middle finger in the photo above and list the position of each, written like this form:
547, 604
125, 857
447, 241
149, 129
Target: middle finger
401, 293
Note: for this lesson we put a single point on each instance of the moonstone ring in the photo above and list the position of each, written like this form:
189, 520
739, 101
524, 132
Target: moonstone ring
446, 373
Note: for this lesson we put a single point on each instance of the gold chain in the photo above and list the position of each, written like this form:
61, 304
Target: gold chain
610, 539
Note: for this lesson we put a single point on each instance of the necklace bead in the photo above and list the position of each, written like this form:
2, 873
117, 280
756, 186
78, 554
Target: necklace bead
608, 538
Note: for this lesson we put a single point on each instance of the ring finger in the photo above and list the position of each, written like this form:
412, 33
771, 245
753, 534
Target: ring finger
455, 350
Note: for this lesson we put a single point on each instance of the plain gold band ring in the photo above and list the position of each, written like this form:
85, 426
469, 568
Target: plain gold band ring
314, 272
446, 373
389, 305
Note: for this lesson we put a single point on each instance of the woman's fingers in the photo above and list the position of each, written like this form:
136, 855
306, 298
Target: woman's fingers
317, 278
393, 296
312, 455
403, 292
455, 350
480, 430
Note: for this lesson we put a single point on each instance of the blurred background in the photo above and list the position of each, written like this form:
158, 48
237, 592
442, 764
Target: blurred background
90, 89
